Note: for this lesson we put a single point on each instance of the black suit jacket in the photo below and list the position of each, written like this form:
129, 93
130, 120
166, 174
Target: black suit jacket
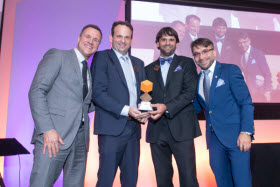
177, 95
228, 53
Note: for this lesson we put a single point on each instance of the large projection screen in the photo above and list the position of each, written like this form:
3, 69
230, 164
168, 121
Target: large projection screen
262, 67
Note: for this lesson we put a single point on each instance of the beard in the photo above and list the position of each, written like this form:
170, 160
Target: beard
165, 52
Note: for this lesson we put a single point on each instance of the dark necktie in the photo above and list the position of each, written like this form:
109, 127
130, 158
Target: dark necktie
206, 85
163, 60
84, 75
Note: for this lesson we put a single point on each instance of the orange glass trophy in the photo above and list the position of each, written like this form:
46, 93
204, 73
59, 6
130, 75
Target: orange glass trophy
145, 105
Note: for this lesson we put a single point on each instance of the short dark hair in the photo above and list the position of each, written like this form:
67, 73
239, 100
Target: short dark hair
169, 31
219, 22
189, 17
91, 26
243, 35
116, 23
174, 23
205, 42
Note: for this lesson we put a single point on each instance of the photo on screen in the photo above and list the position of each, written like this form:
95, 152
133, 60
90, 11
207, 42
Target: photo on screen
247, 39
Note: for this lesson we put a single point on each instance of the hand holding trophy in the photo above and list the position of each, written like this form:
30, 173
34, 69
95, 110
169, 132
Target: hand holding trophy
145, 106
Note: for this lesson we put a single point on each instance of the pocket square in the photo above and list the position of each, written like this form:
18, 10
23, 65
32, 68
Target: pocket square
178, 68
220, 83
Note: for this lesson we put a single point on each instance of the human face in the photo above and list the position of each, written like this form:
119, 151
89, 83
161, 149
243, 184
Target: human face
167, 45
204, 57
122, 39
244, 44
180, 29
220, 31
193, 26
88, 42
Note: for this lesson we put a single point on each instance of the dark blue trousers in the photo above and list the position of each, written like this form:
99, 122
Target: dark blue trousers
230, 166
119, 151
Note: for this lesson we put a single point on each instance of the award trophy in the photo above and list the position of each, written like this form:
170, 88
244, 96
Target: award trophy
145, 106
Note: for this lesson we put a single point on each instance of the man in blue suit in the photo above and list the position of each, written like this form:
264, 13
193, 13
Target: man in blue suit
255, 68
116, 78
225, 99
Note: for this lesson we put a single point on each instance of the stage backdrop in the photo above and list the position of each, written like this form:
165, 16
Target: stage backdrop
40, 25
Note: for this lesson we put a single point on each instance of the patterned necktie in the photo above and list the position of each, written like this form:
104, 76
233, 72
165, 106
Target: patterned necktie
163, 60
84, 75
206, 85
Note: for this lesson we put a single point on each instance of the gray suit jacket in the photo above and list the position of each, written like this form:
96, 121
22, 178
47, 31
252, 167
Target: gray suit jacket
56, 97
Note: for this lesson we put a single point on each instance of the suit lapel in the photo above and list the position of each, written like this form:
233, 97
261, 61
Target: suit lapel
74, 60
172, 68
116, 61
136, 73
216, 76
157, 71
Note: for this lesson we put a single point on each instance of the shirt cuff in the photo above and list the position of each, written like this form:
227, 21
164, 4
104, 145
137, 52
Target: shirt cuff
248, 133
125, 110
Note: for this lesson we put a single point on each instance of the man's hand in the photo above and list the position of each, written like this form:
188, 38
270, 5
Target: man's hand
51, 139
244, 142
136, 114
161, 108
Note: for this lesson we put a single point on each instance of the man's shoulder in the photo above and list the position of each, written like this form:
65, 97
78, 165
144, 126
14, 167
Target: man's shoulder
136, 59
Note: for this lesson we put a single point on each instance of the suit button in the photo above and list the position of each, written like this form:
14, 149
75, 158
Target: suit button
210, 125
210, 112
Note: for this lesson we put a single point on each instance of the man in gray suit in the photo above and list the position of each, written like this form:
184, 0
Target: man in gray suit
60, 100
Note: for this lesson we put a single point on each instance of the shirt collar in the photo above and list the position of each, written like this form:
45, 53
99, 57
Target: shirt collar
167, 57
193, 37
211, 68
216, 37
248, 50
79, 55
119, 55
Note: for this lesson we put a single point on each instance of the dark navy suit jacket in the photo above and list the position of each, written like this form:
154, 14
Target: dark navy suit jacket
110, 91
230, 110
257, 65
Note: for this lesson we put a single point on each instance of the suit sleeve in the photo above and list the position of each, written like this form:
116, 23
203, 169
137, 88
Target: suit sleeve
196, 105
100, 82
187, 94
243, 99
47, 71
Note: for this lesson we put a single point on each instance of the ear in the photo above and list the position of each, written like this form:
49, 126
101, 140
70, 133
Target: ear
177, 45
111, 38
79, 38
158, 45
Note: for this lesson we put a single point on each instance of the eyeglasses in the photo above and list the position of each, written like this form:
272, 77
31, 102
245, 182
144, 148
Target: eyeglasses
205, 51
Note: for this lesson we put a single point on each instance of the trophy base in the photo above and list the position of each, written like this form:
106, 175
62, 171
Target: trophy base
145, 106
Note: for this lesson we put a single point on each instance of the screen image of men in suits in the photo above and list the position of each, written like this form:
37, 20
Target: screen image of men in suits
60, 100
192, 26
255, 69
224, 97
116, 78
223, 42
173, 125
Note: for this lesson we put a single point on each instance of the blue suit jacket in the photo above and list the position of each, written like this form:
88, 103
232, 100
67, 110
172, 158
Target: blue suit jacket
230, 110
110, 91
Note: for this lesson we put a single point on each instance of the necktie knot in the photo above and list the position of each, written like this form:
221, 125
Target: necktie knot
124, 58
163, 60
206, 72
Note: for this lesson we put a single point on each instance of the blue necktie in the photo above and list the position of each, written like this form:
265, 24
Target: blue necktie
206, 85
163, 60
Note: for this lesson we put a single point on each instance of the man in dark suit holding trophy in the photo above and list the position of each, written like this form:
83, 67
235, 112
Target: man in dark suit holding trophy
173, 124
